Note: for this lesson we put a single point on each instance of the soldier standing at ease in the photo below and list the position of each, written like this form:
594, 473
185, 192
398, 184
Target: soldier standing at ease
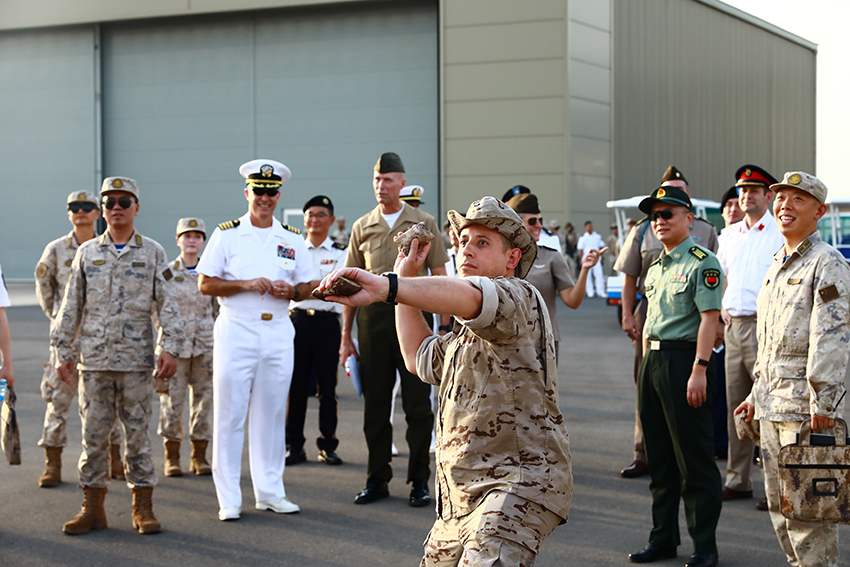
194, 359
803, 328
116, 280
51, 275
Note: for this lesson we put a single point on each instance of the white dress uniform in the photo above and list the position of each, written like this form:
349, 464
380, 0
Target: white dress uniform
252, 354
588, 241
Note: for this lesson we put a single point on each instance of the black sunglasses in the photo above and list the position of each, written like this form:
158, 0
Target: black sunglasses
666, 214
534, 220
270, 191
123, 202
86, 207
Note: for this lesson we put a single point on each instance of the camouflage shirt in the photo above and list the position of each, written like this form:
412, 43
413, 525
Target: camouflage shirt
803, 329
498, 424
197, 311
110, 296
52, 271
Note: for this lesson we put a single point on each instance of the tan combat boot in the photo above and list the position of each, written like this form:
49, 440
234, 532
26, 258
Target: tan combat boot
143, 518
92, 516
116, 467
172, 459
52, 468
199, 465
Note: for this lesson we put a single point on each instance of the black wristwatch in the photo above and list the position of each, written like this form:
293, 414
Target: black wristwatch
393, 278
701, 361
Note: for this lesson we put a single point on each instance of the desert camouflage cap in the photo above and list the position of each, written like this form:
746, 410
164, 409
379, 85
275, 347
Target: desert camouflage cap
125, 184
804, 182
189, 224
82, 197
496, 215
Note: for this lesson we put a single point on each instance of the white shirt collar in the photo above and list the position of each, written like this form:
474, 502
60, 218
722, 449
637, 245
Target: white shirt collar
327, 244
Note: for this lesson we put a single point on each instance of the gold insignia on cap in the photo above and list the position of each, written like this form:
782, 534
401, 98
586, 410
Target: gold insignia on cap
266, 170
193, 223
81, 197
678, 174
325, 201
117, 184
748, 172
795, 179
661, 193
417, 192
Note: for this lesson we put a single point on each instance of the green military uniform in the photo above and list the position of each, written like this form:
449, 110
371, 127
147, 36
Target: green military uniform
678, 437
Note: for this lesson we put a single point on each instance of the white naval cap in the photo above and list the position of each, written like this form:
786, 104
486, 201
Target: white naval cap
412, 193
264, 172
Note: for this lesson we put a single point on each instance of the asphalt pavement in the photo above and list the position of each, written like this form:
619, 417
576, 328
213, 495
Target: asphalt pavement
609, 517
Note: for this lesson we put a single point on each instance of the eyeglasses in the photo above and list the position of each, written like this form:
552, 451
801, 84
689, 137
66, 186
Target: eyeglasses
270, 191
123, 202
666, 214
86, 207
310, 215
533, 221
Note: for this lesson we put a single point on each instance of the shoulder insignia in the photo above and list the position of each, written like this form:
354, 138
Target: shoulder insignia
641, 221
290, 228
698, 252
338, 246
70, 241
829, 293
176, 264
68, 262
102, 238
41, 270
804, 245
166, 274
229, 224
138, 240
711, 278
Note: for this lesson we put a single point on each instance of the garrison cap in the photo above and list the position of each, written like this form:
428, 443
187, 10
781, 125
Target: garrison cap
666, 194
804, 182
496, 215
319, 201
514, 191
389, 162
412, 193
673, 174
731, 193
190, 224
264, 173
83, 197
753, 175
111, 184
524, 203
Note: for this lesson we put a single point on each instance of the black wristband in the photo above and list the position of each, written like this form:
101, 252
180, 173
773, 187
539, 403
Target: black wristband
393, 279
297, 293
701, 361
446, 328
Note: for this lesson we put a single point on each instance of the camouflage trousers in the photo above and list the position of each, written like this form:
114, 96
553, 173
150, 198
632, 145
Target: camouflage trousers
59, 396
503, 530
805, 544
195, 374
103, 395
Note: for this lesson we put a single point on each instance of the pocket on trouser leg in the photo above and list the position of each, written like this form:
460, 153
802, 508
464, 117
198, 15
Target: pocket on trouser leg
46, 386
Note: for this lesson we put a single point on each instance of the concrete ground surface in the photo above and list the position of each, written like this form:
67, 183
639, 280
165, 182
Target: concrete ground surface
610, 516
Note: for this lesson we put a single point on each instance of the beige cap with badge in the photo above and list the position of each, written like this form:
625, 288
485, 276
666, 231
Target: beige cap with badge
82, 197
189, 224
111, 184
804, 182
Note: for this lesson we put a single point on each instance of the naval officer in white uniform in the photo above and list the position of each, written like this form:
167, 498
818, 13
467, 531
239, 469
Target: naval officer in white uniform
255, 265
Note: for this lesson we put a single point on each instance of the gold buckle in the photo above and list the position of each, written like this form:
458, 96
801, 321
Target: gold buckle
654, 345
311, 312
266, 316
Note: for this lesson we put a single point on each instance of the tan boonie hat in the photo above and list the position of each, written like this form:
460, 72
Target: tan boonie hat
82, 197
189, 224
804, 182
125, 184
496, 215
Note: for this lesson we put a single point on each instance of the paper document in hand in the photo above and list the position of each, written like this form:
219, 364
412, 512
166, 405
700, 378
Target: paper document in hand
352, 368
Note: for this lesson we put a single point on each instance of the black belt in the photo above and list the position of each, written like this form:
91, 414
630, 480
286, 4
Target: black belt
671, 345
314, 312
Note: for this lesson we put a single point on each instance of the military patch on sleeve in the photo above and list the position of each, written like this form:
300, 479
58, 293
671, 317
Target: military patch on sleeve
229, 224
710, 277
166, 274
291, 228
829, 293
41, 270
700, 255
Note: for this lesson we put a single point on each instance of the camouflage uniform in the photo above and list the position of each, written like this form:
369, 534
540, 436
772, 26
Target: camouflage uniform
51, 275
194, 360
499, 428
110, 297
803, 328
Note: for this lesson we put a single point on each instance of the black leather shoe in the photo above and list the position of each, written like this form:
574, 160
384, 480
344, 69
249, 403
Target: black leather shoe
295, 458
636, 469
762, 505
419, 495
372, 493
329, 457
652, 553
702, 560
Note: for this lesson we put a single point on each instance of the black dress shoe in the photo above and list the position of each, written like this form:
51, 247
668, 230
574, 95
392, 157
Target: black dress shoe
762, 505
652, 553
295, 458
636, 469
372, 493
329, 457
702, 560
419, 495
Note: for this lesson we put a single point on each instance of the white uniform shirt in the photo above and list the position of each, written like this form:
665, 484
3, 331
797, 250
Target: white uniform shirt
589, 241
745, 254
239, 254
327, 257
4, 295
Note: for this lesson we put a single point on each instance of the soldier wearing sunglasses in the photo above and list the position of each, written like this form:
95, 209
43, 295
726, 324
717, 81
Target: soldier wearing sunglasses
51, 275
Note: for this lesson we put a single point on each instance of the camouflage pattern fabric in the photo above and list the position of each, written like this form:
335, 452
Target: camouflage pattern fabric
193, 373
52, 272
197, 311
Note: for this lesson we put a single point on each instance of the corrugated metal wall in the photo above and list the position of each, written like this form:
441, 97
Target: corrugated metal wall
708, 92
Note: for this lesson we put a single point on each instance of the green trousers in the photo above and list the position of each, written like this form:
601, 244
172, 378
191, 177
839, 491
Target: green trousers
679, 443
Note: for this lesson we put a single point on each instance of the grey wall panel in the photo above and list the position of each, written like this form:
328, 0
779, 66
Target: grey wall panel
47, 141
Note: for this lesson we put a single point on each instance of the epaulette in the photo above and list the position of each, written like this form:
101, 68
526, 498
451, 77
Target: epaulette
229, 224
290, 228
698, 252
643, 220
805, 245
138, 240
338, 246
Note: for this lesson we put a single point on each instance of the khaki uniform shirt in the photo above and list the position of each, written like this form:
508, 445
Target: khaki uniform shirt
550, 275
372, 248
498, 423
638, 253
52, 272
679, 286
803, 330
110, 296
197, 311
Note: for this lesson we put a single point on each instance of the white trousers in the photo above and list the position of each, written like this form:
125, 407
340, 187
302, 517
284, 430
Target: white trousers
252, 371
595, 279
